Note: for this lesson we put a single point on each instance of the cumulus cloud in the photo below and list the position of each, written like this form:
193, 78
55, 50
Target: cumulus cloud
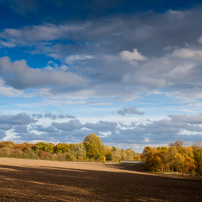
49, 129
129, 110
9, 91
188, 53
132, 56
101, 126
5, 126
144, 81
181, 70
16, 122
161, 132
21, 129
68, 126
19, 75
66, 116
102, 51
18, 119
190, 119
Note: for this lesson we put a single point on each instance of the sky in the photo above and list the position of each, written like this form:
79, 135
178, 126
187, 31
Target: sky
127, 70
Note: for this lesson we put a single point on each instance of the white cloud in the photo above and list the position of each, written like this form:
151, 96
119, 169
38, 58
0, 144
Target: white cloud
45, 32
143, 80
188, 53
84, 45
146, 139
9, 91
101, 126
7, 44
181, 70
132, 56
19, 75
73, 58
68, 126
18, 119
191, 119
53, 66
163, 131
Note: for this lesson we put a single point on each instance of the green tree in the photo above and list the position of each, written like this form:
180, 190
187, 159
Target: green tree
94, 147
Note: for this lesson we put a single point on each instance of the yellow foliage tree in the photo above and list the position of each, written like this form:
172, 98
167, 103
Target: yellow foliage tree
94, 147
179, 162
190, 152
189, 164
136, 158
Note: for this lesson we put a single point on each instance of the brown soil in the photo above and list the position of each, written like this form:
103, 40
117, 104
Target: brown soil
36, 180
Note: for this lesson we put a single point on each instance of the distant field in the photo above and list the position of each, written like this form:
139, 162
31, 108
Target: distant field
37, 180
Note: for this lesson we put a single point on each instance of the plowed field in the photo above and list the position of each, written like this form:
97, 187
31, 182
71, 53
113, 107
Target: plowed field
36, 180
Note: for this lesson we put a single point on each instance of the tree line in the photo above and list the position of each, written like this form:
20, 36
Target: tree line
91, 149
177, 157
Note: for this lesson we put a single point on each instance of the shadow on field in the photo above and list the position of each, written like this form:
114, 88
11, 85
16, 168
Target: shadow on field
126, 166
55, 184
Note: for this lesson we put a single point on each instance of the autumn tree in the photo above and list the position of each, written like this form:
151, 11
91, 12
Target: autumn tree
108, 153
190, 152
179, 162
136, 157
146, 151
163, 153
189, 165
113, 154
130, 154
8, 144
153, 161
78, 150
197, 151
61, 148
94, 147
178, 143
117, 154
47, 147
172, 151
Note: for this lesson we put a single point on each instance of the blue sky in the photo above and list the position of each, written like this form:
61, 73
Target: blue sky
128, 71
